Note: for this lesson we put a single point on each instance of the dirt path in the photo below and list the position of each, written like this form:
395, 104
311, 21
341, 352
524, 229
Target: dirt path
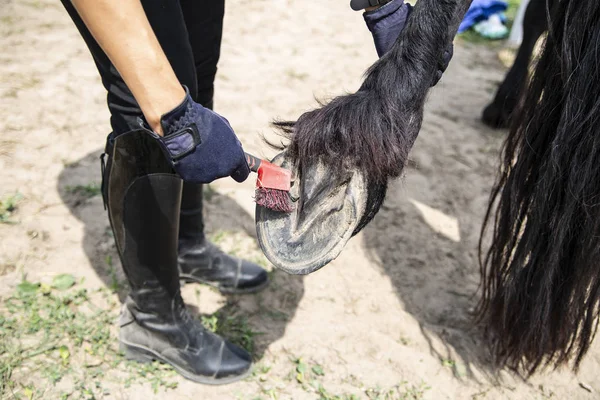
390, 317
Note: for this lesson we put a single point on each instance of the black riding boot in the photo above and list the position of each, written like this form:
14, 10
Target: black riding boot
201, 261
143, 196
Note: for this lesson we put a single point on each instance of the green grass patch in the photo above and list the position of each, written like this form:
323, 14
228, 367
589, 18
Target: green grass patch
403, 391
8, 205
55, 342
115, 285
309, 376
231, 326
86, 191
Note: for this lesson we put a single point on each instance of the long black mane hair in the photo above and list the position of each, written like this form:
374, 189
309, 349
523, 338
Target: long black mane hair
541, 273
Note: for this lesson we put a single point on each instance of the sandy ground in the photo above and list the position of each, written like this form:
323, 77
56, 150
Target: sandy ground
392, 311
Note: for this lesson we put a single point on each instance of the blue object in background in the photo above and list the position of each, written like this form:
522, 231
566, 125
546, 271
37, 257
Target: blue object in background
481, 10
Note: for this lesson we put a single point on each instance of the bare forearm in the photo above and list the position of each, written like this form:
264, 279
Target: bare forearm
122, 30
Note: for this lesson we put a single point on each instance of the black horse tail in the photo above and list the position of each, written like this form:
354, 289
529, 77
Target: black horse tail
541, 273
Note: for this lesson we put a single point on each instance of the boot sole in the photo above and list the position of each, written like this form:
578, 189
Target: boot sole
145, 355
223, 289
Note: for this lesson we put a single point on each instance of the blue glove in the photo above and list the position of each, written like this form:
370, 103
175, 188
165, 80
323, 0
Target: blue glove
386, 23
201, 144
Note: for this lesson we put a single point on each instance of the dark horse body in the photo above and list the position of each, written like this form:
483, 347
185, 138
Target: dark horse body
535, 23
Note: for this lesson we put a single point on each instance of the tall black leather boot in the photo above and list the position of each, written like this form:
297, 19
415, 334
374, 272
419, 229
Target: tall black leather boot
201, 261
143, 197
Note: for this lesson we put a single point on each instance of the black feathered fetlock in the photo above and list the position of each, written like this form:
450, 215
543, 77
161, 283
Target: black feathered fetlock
203, 262
143, 197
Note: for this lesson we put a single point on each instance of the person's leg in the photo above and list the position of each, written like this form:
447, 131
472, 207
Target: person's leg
167, 21
199, 260
143, 197
204, 23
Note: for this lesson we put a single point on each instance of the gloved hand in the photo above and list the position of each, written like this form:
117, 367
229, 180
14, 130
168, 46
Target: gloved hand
201, 144
386, 23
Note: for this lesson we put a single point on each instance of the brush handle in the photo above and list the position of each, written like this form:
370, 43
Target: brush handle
253, 162
270, 176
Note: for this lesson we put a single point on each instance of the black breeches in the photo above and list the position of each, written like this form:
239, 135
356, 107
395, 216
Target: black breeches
189, 32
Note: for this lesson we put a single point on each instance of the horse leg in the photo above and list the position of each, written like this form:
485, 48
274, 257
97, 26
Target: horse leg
497, 113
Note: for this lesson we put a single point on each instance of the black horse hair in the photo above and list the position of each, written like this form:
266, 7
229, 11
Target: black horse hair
541, 272
374, 129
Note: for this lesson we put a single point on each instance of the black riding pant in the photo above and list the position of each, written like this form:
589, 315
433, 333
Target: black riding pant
189, 32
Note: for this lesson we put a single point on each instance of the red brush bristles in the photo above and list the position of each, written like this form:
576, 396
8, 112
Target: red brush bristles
273, 199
